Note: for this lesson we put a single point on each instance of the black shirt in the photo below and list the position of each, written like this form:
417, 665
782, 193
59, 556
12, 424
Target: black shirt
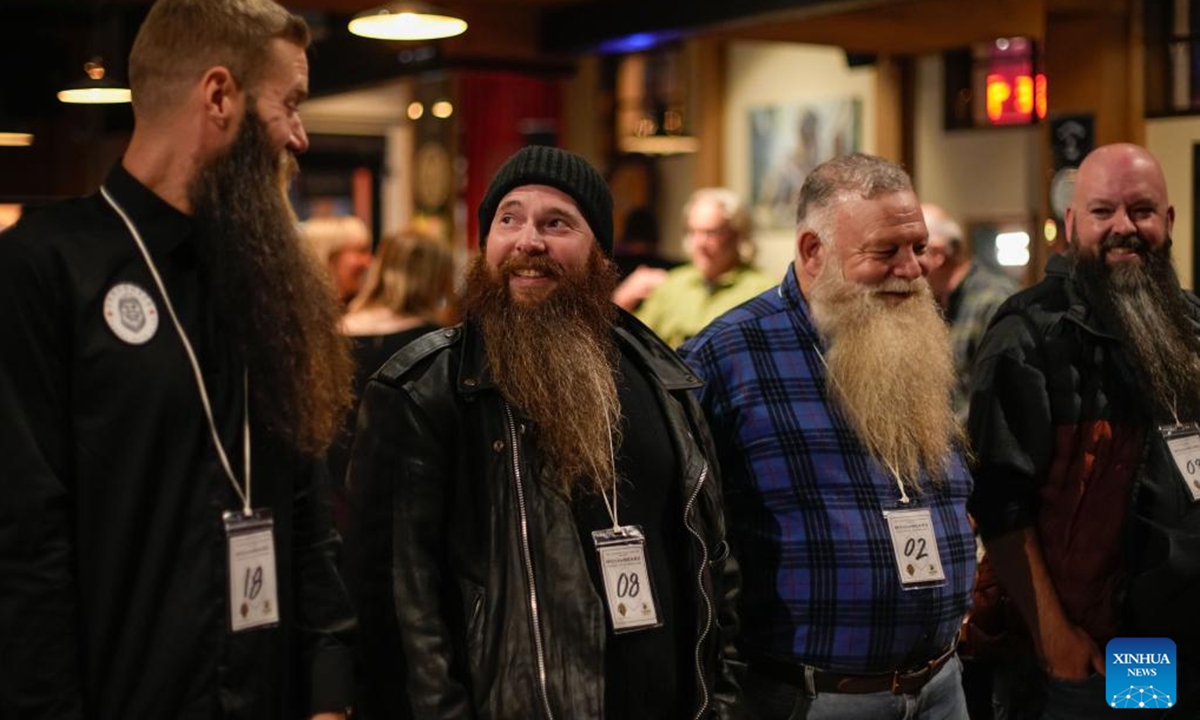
647, 672
113, 594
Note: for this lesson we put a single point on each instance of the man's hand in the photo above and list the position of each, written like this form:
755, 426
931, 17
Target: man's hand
638, 286
329, 716
1070, 654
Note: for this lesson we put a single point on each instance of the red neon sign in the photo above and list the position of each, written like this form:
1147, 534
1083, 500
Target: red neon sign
1013, 94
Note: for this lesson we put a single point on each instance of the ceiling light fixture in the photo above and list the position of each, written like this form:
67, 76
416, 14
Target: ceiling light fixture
15, 139
96, 88
407, 21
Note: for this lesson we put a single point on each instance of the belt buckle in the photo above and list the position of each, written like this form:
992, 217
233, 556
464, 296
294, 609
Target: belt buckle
920, 676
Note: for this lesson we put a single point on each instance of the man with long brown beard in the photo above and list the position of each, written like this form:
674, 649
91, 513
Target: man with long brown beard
1082, 412
829, 396
536, 518
169, 379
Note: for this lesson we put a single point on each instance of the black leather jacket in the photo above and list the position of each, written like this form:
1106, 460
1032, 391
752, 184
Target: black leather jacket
473, 588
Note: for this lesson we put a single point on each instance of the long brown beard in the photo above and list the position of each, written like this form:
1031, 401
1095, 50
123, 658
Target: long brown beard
891, 371
556, 360
269, 295
1145, 304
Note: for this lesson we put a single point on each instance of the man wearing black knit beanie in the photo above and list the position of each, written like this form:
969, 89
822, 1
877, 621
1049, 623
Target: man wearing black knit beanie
537, 512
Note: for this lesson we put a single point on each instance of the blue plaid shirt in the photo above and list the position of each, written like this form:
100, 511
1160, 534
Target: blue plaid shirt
806, 503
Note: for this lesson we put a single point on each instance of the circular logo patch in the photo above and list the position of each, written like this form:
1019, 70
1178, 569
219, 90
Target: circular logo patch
130, 313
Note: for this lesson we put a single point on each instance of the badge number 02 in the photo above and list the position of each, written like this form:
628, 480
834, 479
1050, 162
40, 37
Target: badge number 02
253, 598
915, 547
626, 577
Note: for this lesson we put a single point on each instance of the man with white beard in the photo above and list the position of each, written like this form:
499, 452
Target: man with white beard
829, 397
1084, 403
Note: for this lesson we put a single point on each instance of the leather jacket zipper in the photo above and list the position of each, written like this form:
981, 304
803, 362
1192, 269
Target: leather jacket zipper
527, 556
687, 512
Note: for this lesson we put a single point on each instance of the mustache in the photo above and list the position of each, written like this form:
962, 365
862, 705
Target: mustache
543, 264
1131, 241
898, 285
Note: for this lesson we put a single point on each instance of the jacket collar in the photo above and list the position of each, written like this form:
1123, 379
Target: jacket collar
633, 338
161, 226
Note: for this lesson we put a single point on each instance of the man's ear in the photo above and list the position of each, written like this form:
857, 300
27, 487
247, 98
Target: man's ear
811, 253
222, 97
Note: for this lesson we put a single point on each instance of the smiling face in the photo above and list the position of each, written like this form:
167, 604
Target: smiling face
1119, 211
712, 239
880, 243
537, 235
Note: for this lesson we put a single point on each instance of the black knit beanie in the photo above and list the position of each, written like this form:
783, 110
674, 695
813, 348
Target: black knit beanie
543, 165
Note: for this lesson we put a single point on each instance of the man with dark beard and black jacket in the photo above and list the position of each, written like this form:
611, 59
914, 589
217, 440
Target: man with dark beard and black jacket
1082, 415
169, 378
536, 520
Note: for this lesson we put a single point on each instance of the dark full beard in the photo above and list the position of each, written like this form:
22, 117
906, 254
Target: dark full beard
269, 295
556, 360
891, 371
1144, 303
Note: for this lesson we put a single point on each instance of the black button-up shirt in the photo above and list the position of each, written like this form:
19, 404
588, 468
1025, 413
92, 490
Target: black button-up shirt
113, 566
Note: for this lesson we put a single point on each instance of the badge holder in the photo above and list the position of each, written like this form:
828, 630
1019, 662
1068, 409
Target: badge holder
630, 597
253, 595
1183, 441
915, 548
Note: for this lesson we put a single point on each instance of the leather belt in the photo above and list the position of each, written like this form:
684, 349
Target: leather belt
900, 682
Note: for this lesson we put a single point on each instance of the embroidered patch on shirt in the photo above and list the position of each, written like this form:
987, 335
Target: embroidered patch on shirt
130, 313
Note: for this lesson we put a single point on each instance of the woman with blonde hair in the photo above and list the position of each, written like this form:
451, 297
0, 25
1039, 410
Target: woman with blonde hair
408, 291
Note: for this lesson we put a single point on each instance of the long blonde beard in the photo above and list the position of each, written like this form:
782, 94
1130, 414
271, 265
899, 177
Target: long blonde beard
890, 371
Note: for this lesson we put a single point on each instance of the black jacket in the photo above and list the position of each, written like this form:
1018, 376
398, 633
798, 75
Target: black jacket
1065, 442
469, 566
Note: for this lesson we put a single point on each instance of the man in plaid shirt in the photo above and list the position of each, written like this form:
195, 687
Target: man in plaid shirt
829, 397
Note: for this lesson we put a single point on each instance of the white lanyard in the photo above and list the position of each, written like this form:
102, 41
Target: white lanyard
612, 458
187, 346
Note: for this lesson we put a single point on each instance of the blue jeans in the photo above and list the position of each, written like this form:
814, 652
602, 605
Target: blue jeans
941, 699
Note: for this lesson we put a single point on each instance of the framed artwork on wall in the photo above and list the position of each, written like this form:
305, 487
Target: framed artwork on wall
787, 142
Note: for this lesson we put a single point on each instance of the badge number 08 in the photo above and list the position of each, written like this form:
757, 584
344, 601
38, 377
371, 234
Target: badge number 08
626, 578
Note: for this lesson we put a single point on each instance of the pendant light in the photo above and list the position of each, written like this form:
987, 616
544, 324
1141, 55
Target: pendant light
407, 21
96, 87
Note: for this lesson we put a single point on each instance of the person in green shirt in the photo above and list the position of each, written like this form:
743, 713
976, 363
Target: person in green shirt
718, 278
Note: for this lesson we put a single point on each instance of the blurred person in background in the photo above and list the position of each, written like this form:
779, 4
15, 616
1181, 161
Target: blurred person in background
343, 246
636, 256
969, 292
408, 291
718, 278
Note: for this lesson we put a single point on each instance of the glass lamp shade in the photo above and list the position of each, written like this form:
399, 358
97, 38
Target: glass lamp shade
407, 21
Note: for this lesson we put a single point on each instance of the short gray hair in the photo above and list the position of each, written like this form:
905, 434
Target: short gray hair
866, 176
733, 210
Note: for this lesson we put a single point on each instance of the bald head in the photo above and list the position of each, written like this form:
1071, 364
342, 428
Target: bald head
1120, 199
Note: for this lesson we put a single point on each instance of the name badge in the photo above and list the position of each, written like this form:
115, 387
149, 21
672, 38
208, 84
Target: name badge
253, 598
622, 553
1183, 441
914, 545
